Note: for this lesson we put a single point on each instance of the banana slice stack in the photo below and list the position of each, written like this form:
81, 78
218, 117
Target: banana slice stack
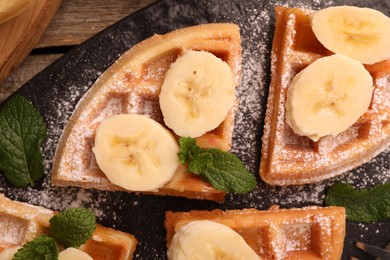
330, 95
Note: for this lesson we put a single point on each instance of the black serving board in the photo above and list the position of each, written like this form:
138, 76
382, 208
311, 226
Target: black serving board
56, 91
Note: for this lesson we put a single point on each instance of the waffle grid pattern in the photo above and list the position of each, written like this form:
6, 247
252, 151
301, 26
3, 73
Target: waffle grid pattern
289, 159
132, 85
307, 233
21, 223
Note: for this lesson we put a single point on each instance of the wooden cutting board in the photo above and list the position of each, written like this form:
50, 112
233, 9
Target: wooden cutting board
19, 35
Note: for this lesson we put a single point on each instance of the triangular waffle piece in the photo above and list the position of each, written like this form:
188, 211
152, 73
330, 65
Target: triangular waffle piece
307, 233
132, 85
21, 223
289, 159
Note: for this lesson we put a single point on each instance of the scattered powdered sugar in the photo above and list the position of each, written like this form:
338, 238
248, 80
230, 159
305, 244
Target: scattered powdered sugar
11, 230
256, 20
60, 198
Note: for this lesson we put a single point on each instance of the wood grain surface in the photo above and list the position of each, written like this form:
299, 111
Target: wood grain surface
20, 34
74, 22
78, 20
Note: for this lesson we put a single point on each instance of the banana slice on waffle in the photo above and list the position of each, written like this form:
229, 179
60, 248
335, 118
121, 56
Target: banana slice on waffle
328, 97
8, 253
21, 223
360, 33
205, 239
73, 253
203, 86
133, 86
292, 155
135, 152
305, 233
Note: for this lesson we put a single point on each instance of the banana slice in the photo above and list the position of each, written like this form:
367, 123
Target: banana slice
197, 93
359, 33
135, 152
72, 254
205, 239
328, 96
11, 8
8, 253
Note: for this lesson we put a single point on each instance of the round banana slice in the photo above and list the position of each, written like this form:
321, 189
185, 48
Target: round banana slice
11, 8
197, 93
135, 152
9, 253
328, 96
72, 254
359, 33
205, 239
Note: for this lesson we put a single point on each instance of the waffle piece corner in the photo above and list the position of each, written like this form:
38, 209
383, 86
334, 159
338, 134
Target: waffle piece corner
306, 233
132, 85
21, 222
290, 159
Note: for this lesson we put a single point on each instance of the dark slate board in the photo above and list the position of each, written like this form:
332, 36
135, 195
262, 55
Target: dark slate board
56, 91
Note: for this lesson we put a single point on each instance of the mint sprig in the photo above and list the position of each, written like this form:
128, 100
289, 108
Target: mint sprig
43, 247
361, 206
73, 227
21, 132
222, 169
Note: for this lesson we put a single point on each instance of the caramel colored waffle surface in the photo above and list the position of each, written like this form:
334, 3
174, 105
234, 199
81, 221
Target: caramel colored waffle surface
307, 233
132, 85
289, 159
21, 223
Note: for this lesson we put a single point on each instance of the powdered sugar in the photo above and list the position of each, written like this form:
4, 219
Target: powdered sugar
12, 230
56, 198
143, 215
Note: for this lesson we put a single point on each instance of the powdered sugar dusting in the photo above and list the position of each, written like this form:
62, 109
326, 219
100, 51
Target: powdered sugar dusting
122, 210
57, 198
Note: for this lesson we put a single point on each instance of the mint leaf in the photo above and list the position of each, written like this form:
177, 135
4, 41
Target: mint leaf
361, 206
222, 169
21, 132
73, 227
187, 149
200, 163
42, 247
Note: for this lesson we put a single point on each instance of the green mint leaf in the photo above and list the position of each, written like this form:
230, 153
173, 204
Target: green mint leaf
21, 132
200, 163
361, 206
222, 169
73, 227
42, 247
187, 149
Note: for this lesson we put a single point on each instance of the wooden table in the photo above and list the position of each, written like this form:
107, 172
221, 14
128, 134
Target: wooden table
74, 22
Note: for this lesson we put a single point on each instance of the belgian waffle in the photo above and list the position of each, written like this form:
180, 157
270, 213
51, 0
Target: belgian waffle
132, 85
307, 233
289, 159
21, 223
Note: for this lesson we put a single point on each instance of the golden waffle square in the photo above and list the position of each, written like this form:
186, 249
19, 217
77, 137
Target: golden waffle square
307, 233
132, 85
290, 159
21, 223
